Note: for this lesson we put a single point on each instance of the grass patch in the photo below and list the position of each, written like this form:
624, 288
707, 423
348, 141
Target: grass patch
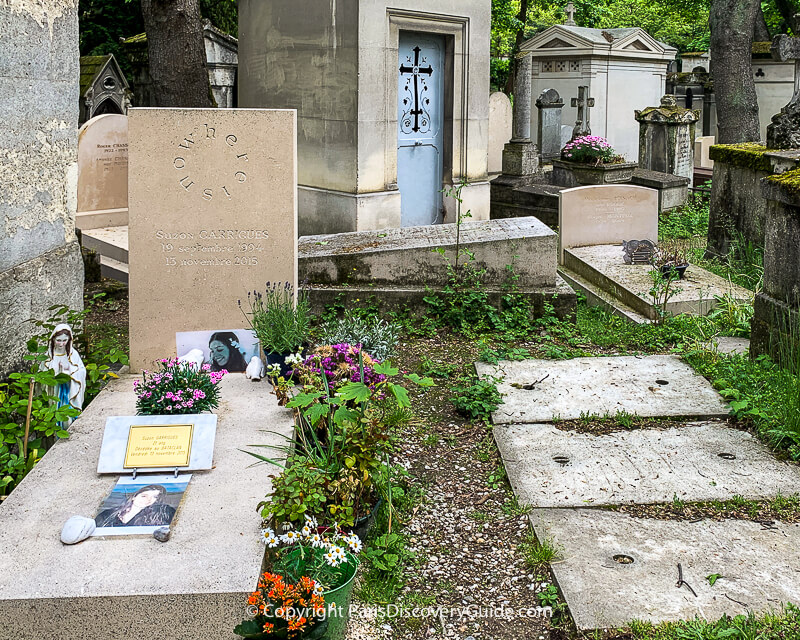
779, 624
538, 553
783, 508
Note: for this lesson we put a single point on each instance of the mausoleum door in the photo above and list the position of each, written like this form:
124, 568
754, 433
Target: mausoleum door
420, 118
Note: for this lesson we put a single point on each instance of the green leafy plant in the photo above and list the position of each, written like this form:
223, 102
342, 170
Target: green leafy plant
342, 435
538, 553
387, 552
280, 323
477, 399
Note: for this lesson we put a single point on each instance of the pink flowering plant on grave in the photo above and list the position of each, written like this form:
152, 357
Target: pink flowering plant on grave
178, 388
591, 150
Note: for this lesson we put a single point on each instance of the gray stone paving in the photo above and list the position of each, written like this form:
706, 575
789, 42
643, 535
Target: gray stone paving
548, 467
565, 389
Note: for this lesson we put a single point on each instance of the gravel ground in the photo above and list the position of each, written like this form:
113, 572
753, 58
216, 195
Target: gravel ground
467, 532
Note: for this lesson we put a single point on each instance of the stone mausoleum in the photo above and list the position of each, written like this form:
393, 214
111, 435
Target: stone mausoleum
625, 70
392, 101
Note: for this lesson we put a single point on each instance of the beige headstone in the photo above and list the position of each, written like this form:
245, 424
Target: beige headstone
500, 125
213, 215
702, 147
103, 168
606, 214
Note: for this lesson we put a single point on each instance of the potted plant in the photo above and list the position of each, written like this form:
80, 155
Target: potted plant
670, 260
345, 413
324, 555
280, 322
284, 608
591, 160
177, 388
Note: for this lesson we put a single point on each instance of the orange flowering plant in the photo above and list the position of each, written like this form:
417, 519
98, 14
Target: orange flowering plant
281, 609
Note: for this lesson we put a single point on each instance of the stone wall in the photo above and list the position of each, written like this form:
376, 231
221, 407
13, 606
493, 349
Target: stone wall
738, 208
40, 260
777, 306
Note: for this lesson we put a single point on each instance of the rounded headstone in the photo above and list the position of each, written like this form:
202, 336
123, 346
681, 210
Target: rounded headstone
549, 98
76, 529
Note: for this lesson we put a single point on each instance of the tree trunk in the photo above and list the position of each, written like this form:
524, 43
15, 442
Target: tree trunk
731, 24
760, 29
522, 16
176, 53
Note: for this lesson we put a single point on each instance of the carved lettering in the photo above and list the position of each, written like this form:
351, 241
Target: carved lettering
243, 155
179, 163
207, 194
231, 140
211, 132
186, 186
187, 142
241, 176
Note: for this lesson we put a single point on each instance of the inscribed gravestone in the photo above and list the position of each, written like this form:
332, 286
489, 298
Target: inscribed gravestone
103, 164
213, 215
606, 214
499, 129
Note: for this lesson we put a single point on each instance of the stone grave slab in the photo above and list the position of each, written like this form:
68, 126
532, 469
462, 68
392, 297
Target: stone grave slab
602, 265
195, 585
549, 467
409, 255
103, 172
606, 214
213, 216
758, 565
564, 389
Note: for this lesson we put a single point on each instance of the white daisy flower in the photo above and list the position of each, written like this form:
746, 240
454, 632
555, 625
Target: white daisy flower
332, 559
316, 540
354, 543
266, 534
290, 537
311, 521
305, 531
338, 552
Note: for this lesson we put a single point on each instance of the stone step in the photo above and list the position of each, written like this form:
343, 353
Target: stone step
111, 242
602, 266
114, 269
418, 256
596, 297
85, 220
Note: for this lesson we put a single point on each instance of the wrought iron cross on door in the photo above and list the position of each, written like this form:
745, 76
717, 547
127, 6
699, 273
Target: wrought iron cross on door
417, 72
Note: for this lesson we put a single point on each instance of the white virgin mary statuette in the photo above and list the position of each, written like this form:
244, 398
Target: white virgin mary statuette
62, 358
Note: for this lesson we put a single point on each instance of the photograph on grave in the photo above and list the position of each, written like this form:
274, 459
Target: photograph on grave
140, 505
227, 349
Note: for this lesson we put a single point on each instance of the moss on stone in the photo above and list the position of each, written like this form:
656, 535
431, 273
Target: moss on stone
750, 155
789, 180
761, 47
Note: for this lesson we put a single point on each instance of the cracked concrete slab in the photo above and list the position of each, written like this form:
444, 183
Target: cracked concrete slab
760, 567
548, 467
650, 386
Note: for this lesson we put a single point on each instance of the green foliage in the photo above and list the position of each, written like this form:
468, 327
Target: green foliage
430, 367
280, 324
688, 221
376, 336
782, 623
538, 553
503, 352
477, 399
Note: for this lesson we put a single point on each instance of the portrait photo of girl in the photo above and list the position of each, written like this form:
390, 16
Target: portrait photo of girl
230, 350
140, 505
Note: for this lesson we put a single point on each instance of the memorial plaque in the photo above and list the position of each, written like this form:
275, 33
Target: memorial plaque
158, 443
158, 446
213, 215
606, 214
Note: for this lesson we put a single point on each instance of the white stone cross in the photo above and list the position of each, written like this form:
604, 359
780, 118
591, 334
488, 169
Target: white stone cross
570, 9
583, 102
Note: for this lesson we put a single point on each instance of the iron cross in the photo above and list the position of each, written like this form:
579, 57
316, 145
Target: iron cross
416, 71
583, 102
